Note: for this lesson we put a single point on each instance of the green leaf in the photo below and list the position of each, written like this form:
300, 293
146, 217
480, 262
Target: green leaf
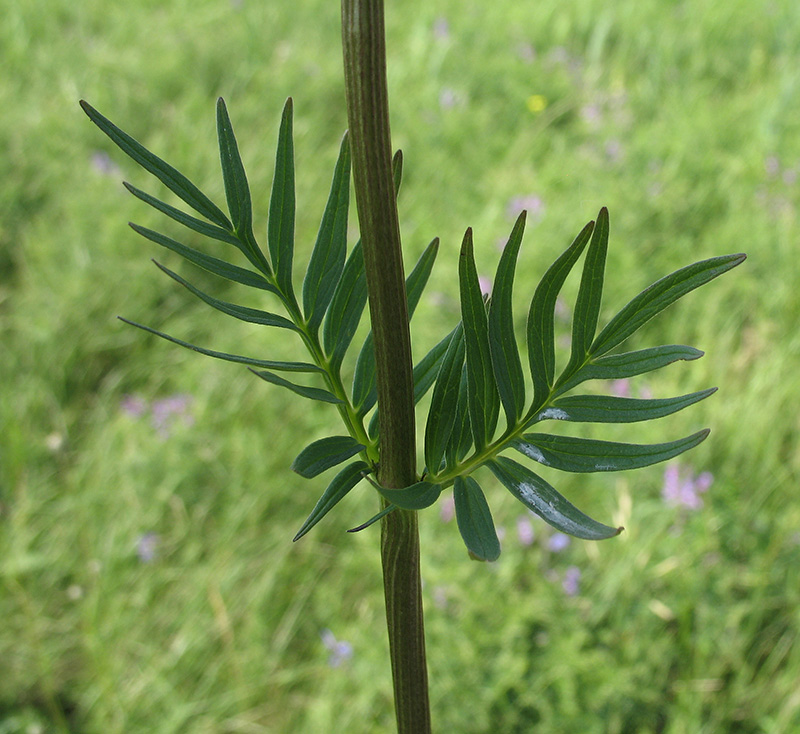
426, 370
484, 403
280, 228
327, 259
314, 393
237, 189
502, 343
243, 313
590, 293
198, 225
325, 453
268, 364
587, 455
364, 381
607, 409
416, 497
628, 364
658, 296
461, 437
385, 511
541, 317
207, 262
173, 179
442, 413
346, 308
537, 495
475, 519
342, 483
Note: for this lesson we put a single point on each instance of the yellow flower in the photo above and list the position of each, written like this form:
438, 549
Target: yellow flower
536, 103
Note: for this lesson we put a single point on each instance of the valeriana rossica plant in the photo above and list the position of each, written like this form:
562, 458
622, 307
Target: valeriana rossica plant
474, 371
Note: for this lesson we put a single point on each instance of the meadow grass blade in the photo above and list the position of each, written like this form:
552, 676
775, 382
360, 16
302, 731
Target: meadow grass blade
540, 497
541, 317
474, 519
250, 361
208, 262
173, 179
442, 412
313, 393
327, 259
346, 309
588, 455
280, 226
342, 483
243, 313
484, 403
658, 296
502, 342
610, 409
324, 454
237, 190
590, 294
628, 364
198, 225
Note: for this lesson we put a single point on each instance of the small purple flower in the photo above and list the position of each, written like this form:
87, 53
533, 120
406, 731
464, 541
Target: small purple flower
532, 203
621, 388
447, 508
133, 405
102, 163
485, 284
147, 547
167, 411
441, 29
341, 651
682, 489
558, 542
525, 530
571, 581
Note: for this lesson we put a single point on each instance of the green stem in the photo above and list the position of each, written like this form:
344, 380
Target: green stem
368, 119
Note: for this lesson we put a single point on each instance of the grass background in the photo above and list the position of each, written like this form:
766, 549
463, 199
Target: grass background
681, 117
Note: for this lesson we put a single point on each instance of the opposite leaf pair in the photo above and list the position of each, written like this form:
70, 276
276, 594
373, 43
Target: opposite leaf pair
473, 371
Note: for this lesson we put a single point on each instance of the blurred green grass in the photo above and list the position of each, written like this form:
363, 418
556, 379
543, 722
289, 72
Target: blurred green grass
682, 118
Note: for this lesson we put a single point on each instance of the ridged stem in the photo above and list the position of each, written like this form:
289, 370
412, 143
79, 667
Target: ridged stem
368, 119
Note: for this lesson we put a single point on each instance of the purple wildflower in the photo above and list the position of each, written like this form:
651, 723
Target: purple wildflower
133, 405
147, 547
532, 203
558, 542
683, 489
447, 508
341, 651
525, 530
102, 163
485, 284
167, 411
621, 388
571, 581
441, 29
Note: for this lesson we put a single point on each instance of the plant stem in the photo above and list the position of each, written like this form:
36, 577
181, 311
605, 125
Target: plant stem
368, 119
